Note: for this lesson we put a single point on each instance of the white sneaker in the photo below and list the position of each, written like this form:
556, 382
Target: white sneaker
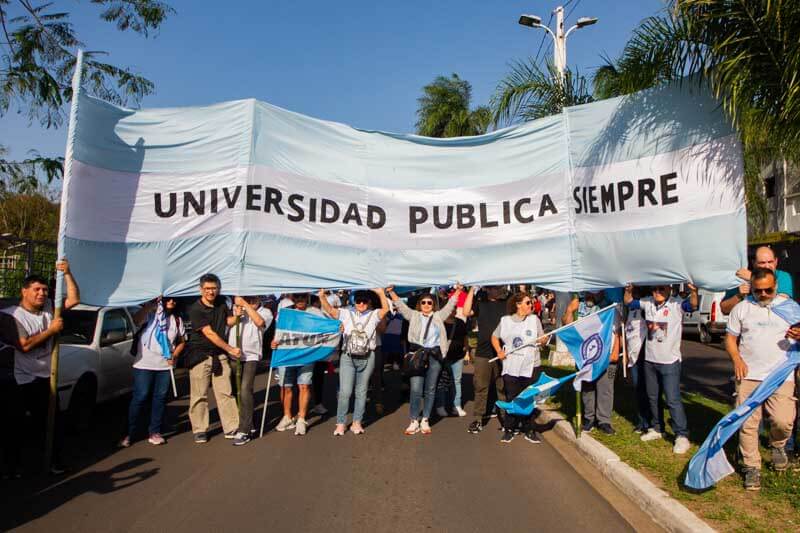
425, 427
681, 445
301, 426
413, 427
319, 409
460, 411
442, 412
285, 423
651, 434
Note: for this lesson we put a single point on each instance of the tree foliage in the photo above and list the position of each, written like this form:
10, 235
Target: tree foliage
747, 51
444, 110
29, 216
529, 92
37, 58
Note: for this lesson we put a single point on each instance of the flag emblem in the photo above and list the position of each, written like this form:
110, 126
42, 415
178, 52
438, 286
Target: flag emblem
592, 349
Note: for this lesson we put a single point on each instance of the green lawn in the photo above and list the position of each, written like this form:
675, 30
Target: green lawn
727, 507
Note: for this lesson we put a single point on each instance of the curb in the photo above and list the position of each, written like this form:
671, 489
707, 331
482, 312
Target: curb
661, 507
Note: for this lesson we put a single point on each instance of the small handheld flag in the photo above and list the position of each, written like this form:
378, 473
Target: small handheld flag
589, 340
525, 401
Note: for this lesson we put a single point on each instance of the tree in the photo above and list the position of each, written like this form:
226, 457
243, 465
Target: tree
29, 216
528, 92
746, 51
444, 110
37, 58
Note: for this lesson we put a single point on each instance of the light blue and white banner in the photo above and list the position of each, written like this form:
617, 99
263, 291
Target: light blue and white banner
589, 341
645, 188
303, 338
525, 401
710, 464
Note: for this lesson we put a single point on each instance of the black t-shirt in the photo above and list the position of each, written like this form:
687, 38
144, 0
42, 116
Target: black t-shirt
489, 315
457, 333
200, 315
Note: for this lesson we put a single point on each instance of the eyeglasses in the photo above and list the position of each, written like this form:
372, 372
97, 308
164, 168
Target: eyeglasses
768, 290
362, 301
527, 302
426, 302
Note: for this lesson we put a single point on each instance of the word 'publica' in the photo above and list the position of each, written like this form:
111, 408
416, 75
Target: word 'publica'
295, 207
465, 217
612, 197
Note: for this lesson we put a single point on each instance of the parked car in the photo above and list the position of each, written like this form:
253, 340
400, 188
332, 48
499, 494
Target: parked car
95, 360
708, 320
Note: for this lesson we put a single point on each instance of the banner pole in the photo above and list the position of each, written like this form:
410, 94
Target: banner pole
266, 401
52, 405
239, 362
624, 353
172, 376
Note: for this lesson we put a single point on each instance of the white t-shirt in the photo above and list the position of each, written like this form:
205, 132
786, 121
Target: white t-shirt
635, 332
515, 333
149, 356
664, 330
349, 317
252, 335
285, 302
35, 363
762, 336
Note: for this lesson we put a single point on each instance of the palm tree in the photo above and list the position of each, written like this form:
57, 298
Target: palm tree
748, 53
528, 92
444, 110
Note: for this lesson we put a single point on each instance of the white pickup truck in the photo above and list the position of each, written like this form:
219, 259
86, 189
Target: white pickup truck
95, 360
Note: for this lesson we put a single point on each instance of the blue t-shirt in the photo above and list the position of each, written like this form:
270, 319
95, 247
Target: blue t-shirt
783, 280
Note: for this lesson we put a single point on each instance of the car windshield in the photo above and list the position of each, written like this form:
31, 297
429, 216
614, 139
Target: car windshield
78, 326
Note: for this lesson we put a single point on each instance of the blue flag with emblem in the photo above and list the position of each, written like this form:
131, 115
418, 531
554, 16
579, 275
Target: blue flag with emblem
303, 338
589, 340
161, 331
710, 464
525, 401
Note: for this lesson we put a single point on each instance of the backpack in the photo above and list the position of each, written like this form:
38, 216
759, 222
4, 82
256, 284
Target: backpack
357, 344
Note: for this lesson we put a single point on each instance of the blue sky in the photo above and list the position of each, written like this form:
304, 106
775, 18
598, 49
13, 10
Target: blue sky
358, 62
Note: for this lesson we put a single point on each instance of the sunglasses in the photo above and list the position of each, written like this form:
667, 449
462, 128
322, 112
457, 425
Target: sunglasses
661, 289
527, 302
362, 301
426, 302
769, 290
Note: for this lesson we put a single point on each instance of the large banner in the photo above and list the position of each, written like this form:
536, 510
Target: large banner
645, 188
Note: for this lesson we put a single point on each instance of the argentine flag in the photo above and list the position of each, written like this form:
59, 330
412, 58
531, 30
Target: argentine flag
710, 464
525, 401
589, 340
303, 338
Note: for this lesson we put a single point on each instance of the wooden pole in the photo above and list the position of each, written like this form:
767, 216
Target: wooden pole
52, 406
239, 361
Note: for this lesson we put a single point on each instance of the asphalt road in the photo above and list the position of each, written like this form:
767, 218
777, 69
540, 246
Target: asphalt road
380, 481
707, 369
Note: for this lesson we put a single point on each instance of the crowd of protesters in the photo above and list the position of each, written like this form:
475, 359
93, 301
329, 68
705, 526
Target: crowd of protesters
424, 334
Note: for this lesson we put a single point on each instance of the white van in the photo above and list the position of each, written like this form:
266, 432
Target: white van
708, 321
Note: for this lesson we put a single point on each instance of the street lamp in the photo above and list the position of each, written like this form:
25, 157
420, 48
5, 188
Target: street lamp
559, 37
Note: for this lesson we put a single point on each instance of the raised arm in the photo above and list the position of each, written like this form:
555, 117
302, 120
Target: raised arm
255, 318
73, 292
445, 311
467, 309
384, 303
141, 315
569, 313
330, 310
404, 310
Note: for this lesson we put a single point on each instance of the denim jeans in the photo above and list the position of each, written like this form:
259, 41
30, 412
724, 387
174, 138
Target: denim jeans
428, 383
145, 382
456, 369
643, 415
353, 374
666, 378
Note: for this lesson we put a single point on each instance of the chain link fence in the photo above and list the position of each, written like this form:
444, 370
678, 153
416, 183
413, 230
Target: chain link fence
22, 257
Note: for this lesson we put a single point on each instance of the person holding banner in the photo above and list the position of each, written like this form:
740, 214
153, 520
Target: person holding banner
453, 362
151, 369
515, 342
597, 396
359, 326
757, 343
426, 331
635, 336
36, 332
254, 319
302, 376
207, 358
662, 357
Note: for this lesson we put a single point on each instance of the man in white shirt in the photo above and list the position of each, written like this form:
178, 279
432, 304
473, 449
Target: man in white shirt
37, 329
662, 357
757, 344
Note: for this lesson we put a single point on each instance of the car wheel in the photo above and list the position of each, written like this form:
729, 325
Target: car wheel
81, 404
705, 335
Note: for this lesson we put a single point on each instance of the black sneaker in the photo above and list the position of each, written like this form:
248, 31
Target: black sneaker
231, 434
241, 439
533, 436
752, 479
475, 427
606, 428
508, 436
780, 461
200, 438
587, 426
